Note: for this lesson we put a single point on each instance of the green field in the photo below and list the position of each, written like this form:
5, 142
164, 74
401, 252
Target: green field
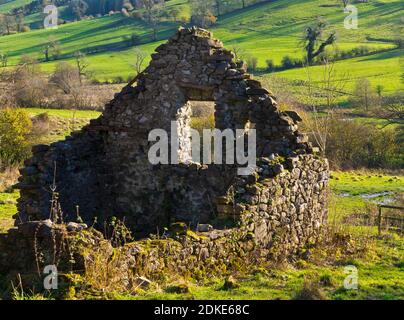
12, 4
7, 210
268, 30
64, 113
381, 69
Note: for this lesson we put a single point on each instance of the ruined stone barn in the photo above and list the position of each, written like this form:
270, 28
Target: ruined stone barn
104, 170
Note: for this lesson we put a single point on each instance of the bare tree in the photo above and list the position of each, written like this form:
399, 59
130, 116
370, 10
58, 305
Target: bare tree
331, 87
19, 21
81, 65
149, 7
140, 58
3, 59
364, 96
392, 109
218, 6
7, 23
202, 13
51, 48
152, 13
78, 8
345, 3
29, 84
333, 84
65, 77
155, 20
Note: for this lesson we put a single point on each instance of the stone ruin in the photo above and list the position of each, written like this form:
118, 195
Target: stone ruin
104, 170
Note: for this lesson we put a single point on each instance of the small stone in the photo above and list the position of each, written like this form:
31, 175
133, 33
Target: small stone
179, 228
203, 254
74, 227
294, 115
204, 228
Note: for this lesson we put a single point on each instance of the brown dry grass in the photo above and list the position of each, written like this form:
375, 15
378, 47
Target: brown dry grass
8, 178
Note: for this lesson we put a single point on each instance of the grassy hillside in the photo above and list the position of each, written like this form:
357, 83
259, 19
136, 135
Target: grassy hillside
268, 30
381, 69
11, 4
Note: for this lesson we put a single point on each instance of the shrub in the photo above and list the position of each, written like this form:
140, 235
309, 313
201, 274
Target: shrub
40, 128
30, 85
353, 145
137, 15
311, 291
118, 80
289, 62
15, 127
208, 20
25, 29
364, 96
132, 40
65, 77
230, 283
270, 65
252, 63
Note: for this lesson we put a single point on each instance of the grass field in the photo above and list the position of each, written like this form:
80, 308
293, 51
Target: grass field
64, 113
268, 30
12, 4
357, 183
383, 69
380, 277
7, 210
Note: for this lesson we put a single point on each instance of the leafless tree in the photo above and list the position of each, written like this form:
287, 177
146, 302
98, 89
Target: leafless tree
65, 77
333, 83
331, 86
51, 48
3, 59
7, 23
29, 83
140, 58
364, 96
345, 3
19, 21
81, 65
202, 13
218, 6
153, 10
392, 109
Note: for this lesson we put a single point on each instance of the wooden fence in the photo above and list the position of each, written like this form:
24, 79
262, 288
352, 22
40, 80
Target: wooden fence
400, 219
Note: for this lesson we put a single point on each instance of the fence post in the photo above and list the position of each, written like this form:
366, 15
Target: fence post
379, 222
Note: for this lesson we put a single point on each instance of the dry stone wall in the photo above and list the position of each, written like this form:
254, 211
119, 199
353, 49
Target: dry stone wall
104, 170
